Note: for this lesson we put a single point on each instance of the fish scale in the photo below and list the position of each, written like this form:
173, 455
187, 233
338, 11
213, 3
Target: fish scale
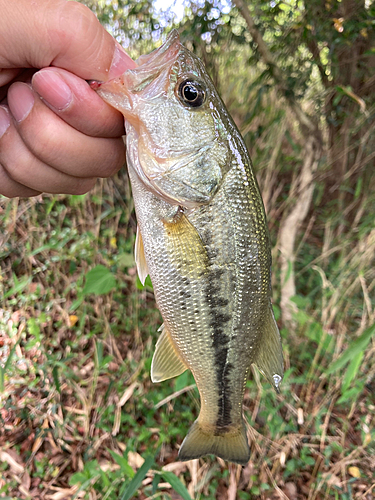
202, 237
236, 253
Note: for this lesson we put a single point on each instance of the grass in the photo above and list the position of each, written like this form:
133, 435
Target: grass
80, 417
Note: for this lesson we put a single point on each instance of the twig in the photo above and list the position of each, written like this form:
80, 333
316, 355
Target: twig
174, 395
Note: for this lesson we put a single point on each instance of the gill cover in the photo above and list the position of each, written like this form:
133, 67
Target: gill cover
167, 101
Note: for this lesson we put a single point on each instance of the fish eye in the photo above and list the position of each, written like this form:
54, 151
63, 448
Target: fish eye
191, 93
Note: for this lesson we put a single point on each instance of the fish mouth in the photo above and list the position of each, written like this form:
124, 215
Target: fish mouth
121, 92
166, 53
150, 66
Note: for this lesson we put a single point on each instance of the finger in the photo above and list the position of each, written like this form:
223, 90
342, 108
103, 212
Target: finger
22, 167
7, 75
59, 33
21, 75
76, 103
56, 143
12, 189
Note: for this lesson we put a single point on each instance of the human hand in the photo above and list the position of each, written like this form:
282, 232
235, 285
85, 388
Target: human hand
56, 133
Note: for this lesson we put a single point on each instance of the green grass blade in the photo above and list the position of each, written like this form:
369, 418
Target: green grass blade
137, 479
3, 369
352, 370
123, 463
84, 486
9, 359
55, 375
359, 345
155, 483
19, 286
176, 484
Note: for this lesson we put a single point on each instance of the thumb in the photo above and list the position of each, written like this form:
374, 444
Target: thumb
58, 33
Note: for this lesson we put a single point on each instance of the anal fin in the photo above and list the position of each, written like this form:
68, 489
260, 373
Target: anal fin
140, 259
166, 362
269, 358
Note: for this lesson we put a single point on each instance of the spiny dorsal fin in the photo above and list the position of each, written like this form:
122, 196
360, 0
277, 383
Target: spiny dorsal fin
140, 259
166, 362
269, 358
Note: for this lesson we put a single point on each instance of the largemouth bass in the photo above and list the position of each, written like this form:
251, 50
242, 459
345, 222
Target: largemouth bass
203, 239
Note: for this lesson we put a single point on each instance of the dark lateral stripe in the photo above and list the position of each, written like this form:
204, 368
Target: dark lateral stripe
225, 405
220, 340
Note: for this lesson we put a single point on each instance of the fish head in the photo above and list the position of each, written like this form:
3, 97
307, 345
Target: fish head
174, 124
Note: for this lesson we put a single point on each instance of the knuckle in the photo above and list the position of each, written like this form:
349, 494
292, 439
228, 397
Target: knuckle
76, 11
78, 18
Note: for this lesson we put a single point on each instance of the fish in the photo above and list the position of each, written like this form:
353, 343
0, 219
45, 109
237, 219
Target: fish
202, 236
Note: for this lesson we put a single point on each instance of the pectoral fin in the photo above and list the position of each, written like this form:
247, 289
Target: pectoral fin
185, 246
166, 362
269, 358
140, 259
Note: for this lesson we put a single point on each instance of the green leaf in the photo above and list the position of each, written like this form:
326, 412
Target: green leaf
176, 484
357, 346
99, 281
76, 303
19, 286
123, 463
55, 375
148, 283
126, 260
351, 395
83, 486
358, 188
98, 353
77, 478
137, 479
41, 249
3, 369
181, 381
352, 371
155, 483
34, 328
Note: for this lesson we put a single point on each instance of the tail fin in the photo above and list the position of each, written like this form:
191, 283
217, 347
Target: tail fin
232, 446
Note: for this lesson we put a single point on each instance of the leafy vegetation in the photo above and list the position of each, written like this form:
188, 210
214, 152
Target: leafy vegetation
80, 417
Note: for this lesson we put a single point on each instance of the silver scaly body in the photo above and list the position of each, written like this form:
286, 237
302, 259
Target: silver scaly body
203, 239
